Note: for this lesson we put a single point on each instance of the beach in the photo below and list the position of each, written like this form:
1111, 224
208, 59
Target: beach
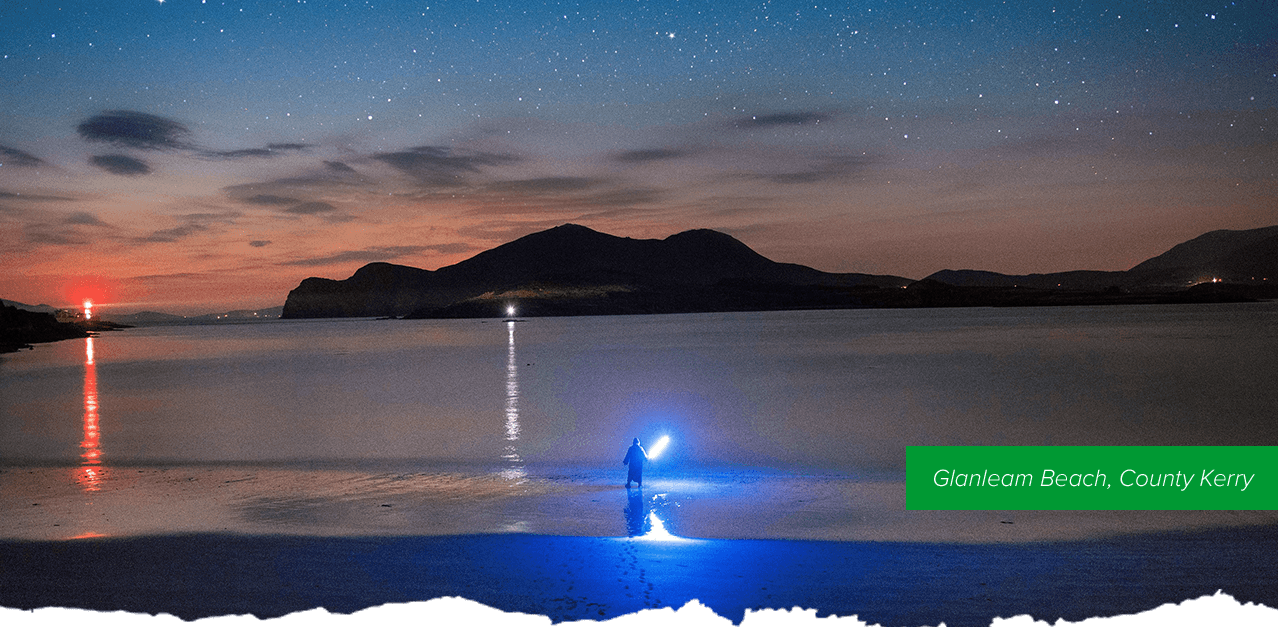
573, 544
277, 468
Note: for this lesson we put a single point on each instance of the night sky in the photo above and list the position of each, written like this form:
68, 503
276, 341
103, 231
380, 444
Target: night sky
191, 155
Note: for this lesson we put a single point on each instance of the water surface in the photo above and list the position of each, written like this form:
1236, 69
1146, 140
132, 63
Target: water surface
840, 391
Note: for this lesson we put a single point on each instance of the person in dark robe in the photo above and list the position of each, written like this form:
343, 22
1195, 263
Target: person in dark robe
635, 457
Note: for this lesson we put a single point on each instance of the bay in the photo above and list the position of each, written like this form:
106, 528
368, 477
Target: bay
819, 391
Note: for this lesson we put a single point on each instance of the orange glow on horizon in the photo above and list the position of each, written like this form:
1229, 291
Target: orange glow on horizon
88, 291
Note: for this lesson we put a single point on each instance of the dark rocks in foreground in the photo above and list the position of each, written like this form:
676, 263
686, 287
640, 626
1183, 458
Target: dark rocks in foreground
20, 329
1219, 609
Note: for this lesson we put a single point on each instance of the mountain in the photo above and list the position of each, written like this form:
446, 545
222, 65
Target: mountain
1247, 257
42, 308
1231, 256
574, 270
151, 318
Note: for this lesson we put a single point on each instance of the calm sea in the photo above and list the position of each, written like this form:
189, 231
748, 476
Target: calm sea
828, 390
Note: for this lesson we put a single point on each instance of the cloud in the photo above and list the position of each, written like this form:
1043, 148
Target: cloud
451, 248
259, 243
271, 150
436, 165
649, 155
20, 196
19, 159
176, 233
544, 185
822, 168
134, 129
319, 209
310, 208
121, 164
44, 234
338, 166
270, 200
84, 218
368, 255
797, 118
192, 224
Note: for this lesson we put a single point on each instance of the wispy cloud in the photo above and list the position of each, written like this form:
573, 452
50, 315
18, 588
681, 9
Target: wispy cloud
84, 218
271, 150
544, 185
367, 255
18, 158
648, 155
436, 166
821, 168
191, 224
793, 118
270, 200
310, 208
121, 164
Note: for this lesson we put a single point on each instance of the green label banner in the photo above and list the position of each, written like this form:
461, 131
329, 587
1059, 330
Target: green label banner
1091, 477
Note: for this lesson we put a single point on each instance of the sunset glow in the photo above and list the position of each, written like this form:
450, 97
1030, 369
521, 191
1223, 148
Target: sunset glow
203, 156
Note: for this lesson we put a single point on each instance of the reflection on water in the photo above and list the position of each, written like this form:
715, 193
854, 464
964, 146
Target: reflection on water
91, 458
839, 390
514, 463
642, 521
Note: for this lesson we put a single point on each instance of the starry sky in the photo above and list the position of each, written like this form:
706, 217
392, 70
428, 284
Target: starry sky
197, 155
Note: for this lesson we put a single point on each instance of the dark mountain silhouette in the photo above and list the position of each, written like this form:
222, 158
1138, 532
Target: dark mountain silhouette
1233, 257
573, 270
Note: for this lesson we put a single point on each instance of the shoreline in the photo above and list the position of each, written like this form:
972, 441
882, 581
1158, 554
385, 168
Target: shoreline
66, 502
571, 543
578, 578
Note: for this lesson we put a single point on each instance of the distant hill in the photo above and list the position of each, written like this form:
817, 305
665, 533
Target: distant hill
573, 270
26, 307
150, 318
1244, 258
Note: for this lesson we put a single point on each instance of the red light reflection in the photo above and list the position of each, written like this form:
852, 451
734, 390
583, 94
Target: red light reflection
90, 474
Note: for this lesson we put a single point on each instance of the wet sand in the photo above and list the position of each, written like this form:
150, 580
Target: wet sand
573, 544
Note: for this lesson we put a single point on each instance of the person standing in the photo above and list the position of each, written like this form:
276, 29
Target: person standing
635, 457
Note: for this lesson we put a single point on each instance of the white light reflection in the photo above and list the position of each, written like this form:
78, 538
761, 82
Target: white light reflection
514, 463
657, 531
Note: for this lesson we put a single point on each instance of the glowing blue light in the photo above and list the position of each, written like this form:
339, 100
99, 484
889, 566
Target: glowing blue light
659, 447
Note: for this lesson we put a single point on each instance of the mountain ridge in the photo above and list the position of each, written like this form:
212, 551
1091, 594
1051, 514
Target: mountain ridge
574, 270
1225, 256
690, 270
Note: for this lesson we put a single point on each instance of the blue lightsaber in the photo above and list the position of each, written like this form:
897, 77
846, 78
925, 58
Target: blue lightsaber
659, 447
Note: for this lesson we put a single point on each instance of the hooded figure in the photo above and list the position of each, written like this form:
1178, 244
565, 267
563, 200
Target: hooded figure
635, 457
